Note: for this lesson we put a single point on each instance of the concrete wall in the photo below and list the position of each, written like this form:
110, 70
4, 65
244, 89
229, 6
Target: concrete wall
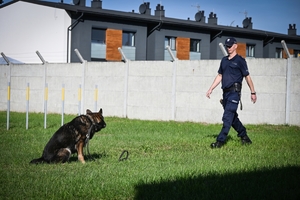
153, 90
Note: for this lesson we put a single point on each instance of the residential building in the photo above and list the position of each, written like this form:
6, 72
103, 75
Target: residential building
56, 29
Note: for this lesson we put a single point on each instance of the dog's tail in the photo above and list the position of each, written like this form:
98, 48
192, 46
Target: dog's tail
38, 161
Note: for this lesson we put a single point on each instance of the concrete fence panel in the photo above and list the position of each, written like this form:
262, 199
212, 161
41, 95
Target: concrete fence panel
154, 90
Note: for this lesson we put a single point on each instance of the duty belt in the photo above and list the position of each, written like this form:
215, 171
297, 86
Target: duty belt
232, 88
236, 87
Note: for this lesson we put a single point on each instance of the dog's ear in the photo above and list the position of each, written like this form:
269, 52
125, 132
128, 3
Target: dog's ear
100, 111
88, 111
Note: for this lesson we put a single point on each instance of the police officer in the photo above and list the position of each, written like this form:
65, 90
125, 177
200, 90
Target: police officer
233, 68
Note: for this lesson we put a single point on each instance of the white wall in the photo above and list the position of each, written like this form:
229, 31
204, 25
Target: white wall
27, 28
153, 90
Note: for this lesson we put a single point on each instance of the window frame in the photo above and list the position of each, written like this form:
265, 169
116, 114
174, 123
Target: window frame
250, 50
100, 41
130, 36
192, 46
98, 44
279, 53
171, 42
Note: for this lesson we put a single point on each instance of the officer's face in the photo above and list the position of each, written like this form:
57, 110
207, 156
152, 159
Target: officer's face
231, 49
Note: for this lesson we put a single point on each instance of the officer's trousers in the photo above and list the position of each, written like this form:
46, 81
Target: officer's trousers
230, 117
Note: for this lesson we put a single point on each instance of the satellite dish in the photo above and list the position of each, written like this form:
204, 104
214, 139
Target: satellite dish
246, 23
76, 2
198, 16
142, 8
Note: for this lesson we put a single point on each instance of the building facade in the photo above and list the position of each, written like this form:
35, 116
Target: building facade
98, 33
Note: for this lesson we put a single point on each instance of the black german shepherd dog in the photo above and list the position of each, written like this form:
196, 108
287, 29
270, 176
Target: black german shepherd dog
71, 138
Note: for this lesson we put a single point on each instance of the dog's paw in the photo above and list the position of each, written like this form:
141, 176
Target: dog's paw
81, 159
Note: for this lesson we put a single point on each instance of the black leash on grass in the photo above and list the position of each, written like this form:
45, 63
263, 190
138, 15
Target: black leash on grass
122, 157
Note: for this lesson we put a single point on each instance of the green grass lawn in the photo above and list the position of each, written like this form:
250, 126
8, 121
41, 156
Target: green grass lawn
167, 160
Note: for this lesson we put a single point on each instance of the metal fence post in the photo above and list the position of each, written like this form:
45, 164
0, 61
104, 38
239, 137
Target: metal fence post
8, 105
171, 54
173, 112
83, 62
123, 55
126, 81
8, 89
96, 97
223, 49
79, 99
288, 82
27, 104
41, 57
45, 105
45, 88
5, 58
62, 103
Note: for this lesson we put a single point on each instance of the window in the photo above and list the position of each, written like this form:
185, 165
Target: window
98, 46
98, 36
194, 45
278, 53
171, 42
128, 39
128, 44
250, 50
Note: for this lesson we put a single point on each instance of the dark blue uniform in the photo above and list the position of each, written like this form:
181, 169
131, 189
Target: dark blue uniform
233, 71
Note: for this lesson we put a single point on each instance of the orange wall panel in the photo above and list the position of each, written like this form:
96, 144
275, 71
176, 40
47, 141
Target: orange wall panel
113, 41
183, 48
284, 55
241, 49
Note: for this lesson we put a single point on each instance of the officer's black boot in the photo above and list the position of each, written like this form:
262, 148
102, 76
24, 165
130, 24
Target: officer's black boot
217, 144
246, 140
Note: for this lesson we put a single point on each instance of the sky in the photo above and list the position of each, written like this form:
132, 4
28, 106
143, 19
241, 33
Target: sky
268, 15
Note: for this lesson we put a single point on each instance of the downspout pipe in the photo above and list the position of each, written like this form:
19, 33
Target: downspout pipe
217, 35
269, 41
70, 28
157, 27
